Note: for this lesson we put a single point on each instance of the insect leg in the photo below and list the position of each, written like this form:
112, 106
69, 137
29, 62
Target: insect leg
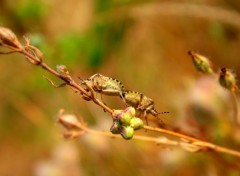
89, 88
122, 96
140, 101
145, 116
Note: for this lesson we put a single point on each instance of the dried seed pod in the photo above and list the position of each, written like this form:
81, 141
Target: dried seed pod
9, 39
69, 121
227, 79
201, 63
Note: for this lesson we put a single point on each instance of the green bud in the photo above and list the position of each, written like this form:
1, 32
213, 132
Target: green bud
136, 123
115, 128
116, 114
127, 132
227, 79
125, 119
131, 111
201, 63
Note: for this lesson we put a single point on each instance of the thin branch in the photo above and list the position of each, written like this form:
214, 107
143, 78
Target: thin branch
235, 110
186, 9
71, 83
191, 144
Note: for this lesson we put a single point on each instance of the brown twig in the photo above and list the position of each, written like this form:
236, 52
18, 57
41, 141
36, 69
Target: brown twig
189, 143
235, 110
186, 9
71, 83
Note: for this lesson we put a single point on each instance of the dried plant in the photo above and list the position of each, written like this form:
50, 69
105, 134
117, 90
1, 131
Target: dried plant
124, 121
226, 78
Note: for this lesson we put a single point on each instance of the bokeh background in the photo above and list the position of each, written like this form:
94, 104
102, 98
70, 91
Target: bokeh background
142, 43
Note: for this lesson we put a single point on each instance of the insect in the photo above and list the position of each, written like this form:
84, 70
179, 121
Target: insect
142, 103
104, 85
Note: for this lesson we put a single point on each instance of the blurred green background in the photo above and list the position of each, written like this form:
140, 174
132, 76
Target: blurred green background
138, 42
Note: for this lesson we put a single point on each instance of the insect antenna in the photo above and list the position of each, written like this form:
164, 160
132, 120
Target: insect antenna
163, 112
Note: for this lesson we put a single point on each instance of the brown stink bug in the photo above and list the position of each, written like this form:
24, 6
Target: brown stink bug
141, 102
104, 85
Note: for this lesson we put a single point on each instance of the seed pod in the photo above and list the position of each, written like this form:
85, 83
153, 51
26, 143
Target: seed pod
201, 63
127, 132
69, 121
136, 123
227, 79
9, 39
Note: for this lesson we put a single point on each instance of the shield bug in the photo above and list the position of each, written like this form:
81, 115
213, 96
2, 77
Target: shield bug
104, 85
142, 103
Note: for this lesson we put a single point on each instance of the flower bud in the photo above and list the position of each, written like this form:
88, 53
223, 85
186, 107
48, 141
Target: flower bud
227, 79
125, 119
127, 132
130, 110
9, 39
116, 114
201, 63
115, 128
136, 123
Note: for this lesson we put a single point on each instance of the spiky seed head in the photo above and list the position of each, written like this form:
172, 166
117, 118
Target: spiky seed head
227, 79
136, 123
9, 39
201, 62
127, 132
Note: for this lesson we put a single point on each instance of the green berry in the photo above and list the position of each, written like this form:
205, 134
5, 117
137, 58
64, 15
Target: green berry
127, 132
116, 114
136, 123
125, 119
131, 111
115, 128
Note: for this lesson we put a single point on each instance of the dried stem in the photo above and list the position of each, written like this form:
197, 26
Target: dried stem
235, 110
189, 143
71, 83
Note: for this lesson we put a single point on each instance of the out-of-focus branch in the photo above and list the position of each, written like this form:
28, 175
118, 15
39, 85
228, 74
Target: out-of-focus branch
186, 9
